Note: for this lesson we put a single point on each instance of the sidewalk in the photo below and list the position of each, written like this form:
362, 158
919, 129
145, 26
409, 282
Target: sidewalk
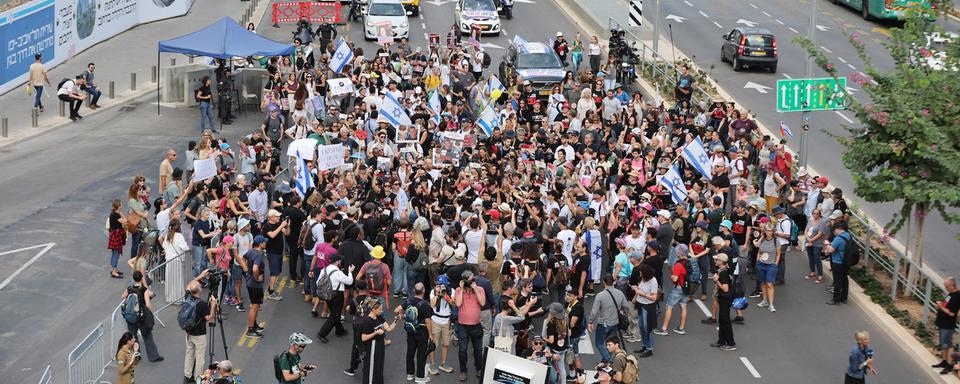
133, 51
594, 15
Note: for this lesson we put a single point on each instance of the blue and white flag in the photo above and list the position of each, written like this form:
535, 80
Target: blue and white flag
785, 131
393, 112
342, 56
495, 87
488, 119
674, 184
435, 107
520, 43
304, 179
697, 157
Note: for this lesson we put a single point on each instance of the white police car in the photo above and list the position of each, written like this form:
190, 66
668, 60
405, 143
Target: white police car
536, 62
482, 13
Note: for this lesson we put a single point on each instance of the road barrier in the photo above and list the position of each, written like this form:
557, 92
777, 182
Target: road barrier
88, 360
315, 12
47, 377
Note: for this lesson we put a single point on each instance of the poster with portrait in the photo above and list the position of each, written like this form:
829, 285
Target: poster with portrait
407, 134
449, 149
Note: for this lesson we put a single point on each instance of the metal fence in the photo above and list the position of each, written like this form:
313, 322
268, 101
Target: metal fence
47, 377
88, 360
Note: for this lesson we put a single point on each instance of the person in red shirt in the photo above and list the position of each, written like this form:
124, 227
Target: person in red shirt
677, 296
469, 298
378, 283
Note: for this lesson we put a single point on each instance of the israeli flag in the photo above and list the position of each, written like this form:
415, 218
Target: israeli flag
785, 130
435, 107
495, 87
674, 184
520, 43
393, 112
697, 157
342, 56
304, 179
488, 119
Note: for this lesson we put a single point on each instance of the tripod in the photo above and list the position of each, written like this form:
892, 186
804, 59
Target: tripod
212, 335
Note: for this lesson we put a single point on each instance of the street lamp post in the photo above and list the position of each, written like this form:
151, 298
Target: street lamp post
805, 115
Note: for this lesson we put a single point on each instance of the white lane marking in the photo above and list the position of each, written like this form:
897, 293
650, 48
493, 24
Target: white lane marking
421, 15
687, 3
46, 247
825, 49
778, 21
718, 25
426, 36
793, 30
844, 117
766, 14
423, 25
753, 371
841, 59
786, 75
852, 67
703, 308
753, 6
703, 14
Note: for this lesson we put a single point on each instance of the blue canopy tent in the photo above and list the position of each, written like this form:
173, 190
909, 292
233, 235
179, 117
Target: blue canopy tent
223, 39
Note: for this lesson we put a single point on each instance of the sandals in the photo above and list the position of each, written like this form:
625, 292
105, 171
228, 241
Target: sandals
118, 275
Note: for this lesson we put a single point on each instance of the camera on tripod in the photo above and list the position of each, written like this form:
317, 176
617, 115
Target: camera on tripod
214, 275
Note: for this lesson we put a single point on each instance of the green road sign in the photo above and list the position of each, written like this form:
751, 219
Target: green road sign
798, 95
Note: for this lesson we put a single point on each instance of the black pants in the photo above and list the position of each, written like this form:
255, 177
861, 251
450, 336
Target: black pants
852, 380
417, 353
723, 318
356, 349
293, 259
335, 304
467, 334
840, 282
74, 106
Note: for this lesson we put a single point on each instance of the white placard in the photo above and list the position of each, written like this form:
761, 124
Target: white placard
340, 86
204, 169
329, 156
304, 146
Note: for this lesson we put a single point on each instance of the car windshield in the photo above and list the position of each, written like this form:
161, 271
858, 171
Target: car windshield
386, 9
538, 60
764, 41
479, 5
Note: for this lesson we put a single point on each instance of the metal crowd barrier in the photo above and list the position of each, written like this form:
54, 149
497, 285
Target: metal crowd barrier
47, 377
88, 360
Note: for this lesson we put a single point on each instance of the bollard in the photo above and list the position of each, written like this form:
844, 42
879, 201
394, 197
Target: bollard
34, 118
3, 130
110, 94
173, 61
133, 81
62, 108
153, 74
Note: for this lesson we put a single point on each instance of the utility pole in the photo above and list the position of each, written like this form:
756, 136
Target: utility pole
805, 115
656, 29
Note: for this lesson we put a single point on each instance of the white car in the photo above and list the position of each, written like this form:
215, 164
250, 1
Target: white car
387, 14
482, 13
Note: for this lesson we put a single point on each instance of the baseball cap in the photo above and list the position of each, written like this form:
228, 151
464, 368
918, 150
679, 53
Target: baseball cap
664, 213
259, 239
822, 179
721, 257
273, 212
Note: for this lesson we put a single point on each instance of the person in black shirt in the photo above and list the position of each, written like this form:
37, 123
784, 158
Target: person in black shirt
196, 340
204, 96
272, 230
418, 332
372, 332
947, 324
294, 213
577, 322
724, 282
145, 325
580, 270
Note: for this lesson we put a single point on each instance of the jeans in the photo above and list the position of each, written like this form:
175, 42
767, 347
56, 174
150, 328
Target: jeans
470, 334
594, 63
575, 58
645, 314
135, 240
414, 277
37, 92
399, 283
559, 367
114, 257
152, 352
813, 257
309, 284
782, 265
704, 263
600, 335
206, 114
199, 259
94, 93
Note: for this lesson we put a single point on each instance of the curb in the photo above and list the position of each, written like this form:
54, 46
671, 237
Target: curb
886, 322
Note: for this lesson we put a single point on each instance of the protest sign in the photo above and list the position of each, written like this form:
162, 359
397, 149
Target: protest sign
340, 86
304, 148
204, 169
449, 149
329, 156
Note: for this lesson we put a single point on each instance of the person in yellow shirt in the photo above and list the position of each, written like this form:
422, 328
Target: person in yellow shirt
432, 81
38, 77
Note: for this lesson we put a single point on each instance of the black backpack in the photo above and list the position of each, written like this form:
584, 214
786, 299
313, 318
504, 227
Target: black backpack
276, 365
851, 252
62, 82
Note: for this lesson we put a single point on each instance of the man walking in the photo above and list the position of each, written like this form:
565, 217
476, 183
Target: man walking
838, 265
91, 87
38, 77
416, 313
145, 321
70, 93
947, 323
196, 340
338, 280
272, 231
604, 316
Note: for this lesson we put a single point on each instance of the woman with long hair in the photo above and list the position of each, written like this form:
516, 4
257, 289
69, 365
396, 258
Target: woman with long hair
127, 355
117, 238
817, 230
555, 332
137, 209
646, 296
175, 247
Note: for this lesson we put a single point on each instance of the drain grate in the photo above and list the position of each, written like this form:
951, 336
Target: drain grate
129, 107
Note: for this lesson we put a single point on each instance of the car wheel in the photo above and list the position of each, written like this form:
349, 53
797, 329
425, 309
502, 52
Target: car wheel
736, 64
723, 59
773, 68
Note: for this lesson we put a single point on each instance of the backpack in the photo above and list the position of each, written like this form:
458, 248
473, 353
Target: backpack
62, 82
187, 315
307, 240
687, 267
421, 263
851, 252
222, 207
631, 371
794, 229
374, 278
277, 371
411, 318
324, 286
562, 278
130, 308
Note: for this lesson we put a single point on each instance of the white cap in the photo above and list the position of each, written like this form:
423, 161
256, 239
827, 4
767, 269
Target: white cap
559, 33
664, 213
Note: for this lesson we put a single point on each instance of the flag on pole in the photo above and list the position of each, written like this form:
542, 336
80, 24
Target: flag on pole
785, 131
435, 107
520, 43
393, 112
304, 179
495, 87
674, 184
488, 119
341, 56
697, 157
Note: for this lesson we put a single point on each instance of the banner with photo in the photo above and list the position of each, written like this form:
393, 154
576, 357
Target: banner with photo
449, 148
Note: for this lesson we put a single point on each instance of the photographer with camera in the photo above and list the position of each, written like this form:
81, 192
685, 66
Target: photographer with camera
203, 314
861, 360
287, 365
469, 298
220, 373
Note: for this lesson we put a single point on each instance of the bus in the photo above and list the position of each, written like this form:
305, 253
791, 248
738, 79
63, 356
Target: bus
884, 9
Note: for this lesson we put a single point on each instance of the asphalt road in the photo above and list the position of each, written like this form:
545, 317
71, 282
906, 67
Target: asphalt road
57, 187
697, 26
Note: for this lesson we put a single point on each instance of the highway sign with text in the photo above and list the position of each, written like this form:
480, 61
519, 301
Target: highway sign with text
798, 95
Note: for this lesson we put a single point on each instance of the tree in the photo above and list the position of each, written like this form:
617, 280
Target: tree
907, 148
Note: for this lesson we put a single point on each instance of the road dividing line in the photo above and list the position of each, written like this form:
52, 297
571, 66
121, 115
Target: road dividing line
841, 59
423, 25
766, 14
243, 339
282, 284
703, 308
793, 30
778, 21
825, 49
687, 3
718, 25
252, 342
753, 371
786, 75
586, 347
46, 247
844, 117
852, 67
703, 14
753, 6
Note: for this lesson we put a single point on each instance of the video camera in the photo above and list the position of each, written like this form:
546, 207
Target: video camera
212, 281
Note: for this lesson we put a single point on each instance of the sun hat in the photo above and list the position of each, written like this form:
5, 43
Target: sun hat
377, 252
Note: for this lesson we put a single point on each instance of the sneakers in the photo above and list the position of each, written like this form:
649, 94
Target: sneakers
275, 296
941, 364
432, 370
409, 377
708, 321
422, 380
348, 372
772, 308
254, 333
728, 348
946, 370
755, 295
188, 380
680, 331
445, 368
763, 304
646, 353
463, 377
738, 320
240, 308
660, 332
716, 345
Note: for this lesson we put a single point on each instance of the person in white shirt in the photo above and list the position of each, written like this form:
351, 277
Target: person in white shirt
440, 300
338, 280
176, 249
257, 200
473, 237
70, 93
784, 226
566, 236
